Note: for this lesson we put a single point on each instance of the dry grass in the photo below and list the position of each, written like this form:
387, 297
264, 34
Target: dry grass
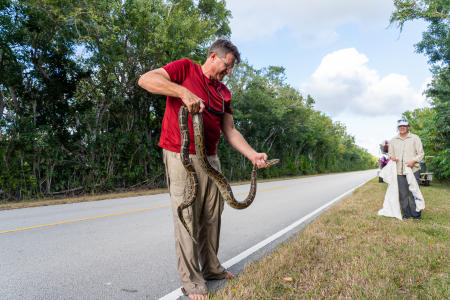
350, 252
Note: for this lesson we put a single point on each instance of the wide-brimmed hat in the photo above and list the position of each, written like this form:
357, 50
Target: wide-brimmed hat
403, 122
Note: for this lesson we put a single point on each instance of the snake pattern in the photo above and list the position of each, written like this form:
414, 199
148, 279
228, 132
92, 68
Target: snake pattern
217, 177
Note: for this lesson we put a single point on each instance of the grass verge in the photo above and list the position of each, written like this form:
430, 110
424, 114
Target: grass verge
350, 252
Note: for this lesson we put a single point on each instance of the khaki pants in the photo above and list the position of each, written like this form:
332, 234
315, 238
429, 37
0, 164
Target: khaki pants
196, 262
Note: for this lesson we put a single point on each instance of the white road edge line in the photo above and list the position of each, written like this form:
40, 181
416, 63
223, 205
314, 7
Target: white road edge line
177, 293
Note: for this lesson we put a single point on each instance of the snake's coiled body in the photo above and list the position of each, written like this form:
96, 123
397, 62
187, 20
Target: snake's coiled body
216, 176
190, 190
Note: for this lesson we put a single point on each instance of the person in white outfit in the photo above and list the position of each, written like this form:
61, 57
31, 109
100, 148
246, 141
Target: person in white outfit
407, 151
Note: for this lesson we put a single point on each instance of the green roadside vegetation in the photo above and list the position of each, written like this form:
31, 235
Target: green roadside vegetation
432, 123
351, 252
72, 117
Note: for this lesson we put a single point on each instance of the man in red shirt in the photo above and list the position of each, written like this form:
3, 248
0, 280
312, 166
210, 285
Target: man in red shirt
200, 88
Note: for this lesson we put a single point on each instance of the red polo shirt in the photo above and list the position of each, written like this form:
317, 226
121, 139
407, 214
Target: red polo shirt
190, 75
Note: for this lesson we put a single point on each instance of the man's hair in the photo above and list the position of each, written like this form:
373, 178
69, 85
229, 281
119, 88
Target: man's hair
222, 47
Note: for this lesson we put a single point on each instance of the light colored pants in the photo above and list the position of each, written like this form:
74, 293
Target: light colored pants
196, 262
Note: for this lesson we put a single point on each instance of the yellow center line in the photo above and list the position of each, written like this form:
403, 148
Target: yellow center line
137, 210
84, 219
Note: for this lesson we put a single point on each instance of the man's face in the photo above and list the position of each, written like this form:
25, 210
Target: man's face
222, 66
402, 129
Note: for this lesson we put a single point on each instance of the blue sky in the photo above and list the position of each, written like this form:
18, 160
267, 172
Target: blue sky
359, 70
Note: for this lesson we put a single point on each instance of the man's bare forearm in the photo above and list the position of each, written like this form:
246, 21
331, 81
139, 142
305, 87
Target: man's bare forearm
158, 82
235, 138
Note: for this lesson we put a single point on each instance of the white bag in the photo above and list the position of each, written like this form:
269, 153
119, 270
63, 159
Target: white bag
414, 188
391, 204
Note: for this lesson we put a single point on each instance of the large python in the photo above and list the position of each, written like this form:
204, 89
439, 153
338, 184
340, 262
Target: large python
191, 188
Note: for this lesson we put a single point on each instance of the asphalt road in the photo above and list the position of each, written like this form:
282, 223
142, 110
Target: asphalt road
123, 248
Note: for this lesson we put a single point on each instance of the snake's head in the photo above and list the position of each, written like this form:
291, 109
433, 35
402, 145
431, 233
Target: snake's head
269, 163
272, 162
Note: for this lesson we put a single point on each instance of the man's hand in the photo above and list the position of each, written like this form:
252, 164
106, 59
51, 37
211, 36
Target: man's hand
259, 159
410, 164
393, 158
193, 103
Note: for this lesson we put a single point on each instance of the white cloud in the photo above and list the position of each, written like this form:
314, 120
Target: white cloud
369, 132
310, 21
344, 83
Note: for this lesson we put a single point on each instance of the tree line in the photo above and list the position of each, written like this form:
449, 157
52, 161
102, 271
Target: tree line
73, 119
432, 124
